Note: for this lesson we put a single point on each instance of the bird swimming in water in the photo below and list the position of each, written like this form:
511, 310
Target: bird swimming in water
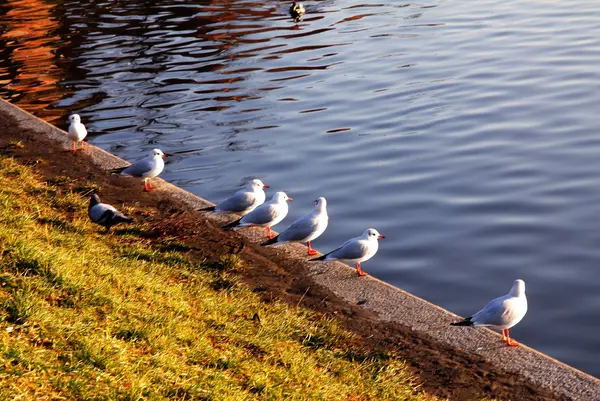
297, 11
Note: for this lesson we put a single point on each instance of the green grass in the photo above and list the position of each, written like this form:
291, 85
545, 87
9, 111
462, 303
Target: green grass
89, 316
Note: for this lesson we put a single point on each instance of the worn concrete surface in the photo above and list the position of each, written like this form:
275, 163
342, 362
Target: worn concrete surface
388, 302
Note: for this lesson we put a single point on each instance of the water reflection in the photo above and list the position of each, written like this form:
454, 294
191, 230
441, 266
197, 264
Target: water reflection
30, 73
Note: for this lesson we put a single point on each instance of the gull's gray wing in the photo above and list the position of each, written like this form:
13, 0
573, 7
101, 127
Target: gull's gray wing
239, 202
497, 312
263, 214
300, 229
139, 168
352, 249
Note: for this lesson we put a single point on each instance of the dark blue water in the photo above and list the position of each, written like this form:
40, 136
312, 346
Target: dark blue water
466, 132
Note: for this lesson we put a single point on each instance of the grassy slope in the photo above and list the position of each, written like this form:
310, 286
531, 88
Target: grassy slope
91, 316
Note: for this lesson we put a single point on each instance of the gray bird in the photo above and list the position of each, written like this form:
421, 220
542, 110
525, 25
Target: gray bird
104, 214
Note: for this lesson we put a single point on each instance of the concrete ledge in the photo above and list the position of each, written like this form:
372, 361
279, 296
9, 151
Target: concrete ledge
388, 302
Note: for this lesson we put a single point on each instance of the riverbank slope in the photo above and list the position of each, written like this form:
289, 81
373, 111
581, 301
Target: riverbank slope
386, 322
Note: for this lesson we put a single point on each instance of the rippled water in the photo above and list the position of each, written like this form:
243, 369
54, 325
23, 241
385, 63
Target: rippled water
466, 132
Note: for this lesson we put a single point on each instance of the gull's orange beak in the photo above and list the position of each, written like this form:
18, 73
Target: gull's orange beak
164, 156
290, 199
381, 236
266, 186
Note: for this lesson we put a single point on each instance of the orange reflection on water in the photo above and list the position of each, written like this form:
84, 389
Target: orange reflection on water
30, 25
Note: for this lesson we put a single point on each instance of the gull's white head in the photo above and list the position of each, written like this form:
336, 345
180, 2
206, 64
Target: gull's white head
320, 203
256, 184
157, 153
372, 234
74, 119
518, 288
280, 197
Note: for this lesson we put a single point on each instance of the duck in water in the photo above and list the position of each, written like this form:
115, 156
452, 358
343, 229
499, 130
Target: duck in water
297, 11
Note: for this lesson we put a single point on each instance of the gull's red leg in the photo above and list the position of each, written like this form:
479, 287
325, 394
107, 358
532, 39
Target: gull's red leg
74, 147
359, 270
311, 251
510, 341
504, 335
269, 235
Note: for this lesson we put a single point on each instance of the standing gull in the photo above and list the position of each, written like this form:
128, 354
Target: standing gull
104, 214
77, 131
243, 201
306, 228
356, 250
146, 168
266, 215
501, 313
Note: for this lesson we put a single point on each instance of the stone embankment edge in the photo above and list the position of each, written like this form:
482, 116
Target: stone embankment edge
390, 303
